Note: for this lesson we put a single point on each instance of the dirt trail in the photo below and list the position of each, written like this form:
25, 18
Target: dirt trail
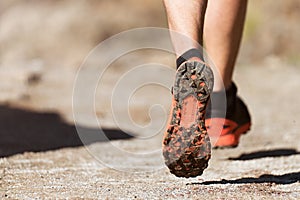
265, 165
41, 155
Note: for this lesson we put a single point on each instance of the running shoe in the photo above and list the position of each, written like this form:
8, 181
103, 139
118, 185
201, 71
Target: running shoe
225, 126
186, 144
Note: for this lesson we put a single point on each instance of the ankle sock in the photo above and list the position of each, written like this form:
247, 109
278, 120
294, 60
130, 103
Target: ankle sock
187, 55
217, 100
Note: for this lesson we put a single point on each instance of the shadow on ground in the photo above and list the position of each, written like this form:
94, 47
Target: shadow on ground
22, 131
266, 153
265, 178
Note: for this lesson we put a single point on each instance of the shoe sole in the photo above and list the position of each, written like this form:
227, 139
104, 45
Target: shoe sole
186, 144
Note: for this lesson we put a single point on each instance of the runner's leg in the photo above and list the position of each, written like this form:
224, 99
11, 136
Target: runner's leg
223, 28
187, 18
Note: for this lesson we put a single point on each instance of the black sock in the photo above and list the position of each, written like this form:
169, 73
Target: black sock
217, 100
187, 55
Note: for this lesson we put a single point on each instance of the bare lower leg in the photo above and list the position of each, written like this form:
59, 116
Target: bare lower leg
187, 18
223, 28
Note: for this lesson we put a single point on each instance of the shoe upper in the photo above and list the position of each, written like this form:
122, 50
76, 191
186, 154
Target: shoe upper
228, 105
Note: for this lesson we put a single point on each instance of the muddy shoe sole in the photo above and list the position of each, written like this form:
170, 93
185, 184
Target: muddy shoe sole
186, 144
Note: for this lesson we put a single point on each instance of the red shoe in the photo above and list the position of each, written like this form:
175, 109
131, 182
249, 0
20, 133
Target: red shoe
226, 131
186, 144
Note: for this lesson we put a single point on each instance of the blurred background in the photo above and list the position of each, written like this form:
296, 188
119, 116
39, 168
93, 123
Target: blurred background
43, 43
43, 40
